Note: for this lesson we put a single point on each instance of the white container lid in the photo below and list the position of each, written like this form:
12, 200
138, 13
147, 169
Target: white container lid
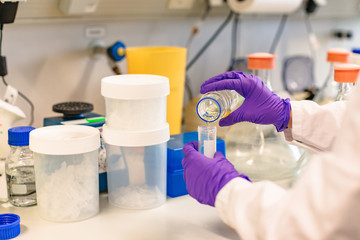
64, 139
135, 86
135, 138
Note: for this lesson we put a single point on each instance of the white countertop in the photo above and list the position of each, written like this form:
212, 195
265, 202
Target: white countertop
179, 218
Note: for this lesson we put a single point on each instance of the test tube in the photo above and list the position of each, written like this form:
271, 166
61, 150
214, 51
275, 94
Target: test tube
207, 140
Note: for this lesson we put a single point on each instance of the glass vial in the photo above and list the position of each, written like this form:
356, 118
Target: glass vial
19, 168
207, 140
215, 105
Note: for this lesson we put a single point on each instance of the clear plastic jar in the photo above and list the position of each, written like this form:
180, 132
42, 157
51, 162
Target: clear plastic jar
216, 105
19, 168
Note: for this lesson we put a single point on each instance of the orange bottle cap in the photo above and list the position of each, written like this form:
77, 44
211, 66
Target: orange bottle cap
346, 73
261, 60
339, 55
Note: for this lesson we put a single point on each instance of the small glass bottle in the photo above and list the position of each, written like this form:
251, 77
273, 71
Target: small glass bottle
215, 105
329, 89
346, 75
261, 65
19, 168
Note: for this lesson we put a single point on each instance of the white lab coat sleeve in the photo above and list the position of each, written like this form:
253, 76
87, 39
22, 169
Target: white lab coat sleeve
323, 204
314, 127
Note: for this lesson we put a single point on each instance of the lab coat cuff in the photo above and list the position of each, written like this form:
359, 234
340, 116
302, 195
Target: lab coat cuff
224, 195
297, 119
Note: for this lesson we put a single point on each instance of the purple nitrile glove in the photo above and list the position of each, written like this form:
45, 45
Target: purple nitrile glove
260, 106
204, 176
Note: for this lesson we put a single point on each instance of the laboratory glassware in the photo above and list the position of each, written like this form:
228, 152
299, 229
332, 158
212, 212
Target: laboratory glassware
261, 65
207, 140
19, 168
9, 114
346, 75
218, 104
259, 151
66, 171
329, 89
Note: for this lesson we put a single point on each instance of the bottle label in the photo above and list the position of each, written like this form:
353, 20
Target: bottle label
18, 189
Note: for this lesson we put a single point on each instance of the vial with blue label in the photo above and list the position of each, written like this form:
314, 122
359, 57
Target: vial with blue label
19, 168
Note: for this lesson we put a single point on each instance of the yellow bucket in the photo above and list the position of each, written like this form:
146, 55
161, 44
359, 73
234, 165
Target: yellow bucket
165, 61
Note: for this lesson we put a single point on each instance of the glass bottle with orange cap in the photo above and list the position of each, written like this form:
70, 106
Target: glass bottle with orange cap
329, 89
346, 75
262, 65
259, 151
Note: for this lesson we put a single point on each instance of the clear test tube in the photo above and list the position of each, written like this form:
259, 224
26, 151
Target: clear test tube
207, 140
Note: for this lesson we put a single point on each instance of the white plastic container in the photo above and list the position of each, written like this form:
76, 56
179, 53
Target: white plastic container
136, 167
135, 102
66, 171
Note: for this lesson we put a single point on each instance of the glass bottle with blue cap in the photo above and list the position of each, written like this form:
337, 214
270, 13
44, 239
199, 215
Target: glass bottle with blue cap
19, 168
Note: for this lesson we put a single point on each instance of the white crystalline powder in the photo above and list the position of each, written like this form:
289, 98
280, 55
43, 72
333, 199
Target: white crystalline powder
137, 197
69, 193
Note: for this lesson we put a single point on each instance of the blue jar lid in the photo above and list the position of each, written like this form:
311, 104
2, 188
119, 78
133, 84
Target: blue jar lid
356, 50
19, 136
9, 226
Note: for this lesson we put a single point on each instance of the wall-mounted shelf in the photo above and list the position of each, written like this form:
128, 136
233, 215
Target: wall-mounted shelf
110, 10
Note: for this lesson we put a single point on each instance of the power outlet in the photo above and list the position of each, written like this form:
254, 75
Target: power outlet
180, 4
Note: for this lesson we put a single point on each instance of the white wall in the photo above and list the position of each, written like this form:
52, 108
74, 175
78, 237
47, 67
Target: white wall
50, 63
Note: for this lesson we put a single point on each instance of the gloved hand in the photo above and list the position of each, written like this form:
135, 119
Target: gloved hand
205, 176
260, 106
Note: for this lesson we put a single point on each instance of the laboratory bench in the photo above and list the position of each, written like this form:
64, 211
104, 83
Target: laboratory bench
179, 218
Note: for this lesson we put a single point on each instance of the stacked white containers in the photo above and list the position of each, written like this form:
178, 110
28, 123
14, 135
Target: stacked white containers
135, 136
